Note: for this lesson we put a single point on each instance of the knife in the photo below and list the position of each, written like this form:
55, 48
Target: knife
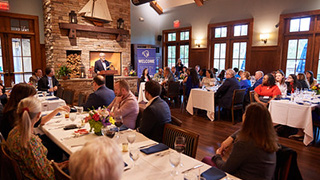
195, 167
141, 147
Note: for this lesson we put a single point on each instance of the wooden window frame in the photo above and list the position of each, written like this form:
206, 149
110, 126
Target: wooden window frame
313, 36
177, 43
229, 40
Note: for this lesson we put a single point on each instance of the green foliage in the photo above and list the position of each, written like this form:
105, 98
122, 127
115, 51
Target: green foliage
64, 71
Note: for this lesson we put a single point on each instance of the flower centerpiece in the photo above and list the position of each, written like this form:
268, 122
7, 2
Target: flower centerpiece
64, 71
99, 118
316, 88
132, 73
183, 75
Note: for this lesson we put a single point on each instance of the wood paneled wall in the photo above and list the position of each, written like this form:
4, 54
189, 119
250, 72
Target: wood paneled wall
264, 58
199, 56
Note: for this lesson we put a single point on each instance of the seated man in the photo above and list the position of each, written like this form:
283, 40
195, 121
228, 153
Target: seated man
48, 82
258, 76
102, 95
223, 96
157, 76
35, 77
125, 104
103, 157
156, 114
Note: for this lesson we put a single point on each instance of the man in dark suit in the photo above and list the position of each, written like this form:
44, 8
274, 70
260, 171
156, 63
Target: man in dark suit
223, 96
102, 95
156, 114
48, 82
101, 64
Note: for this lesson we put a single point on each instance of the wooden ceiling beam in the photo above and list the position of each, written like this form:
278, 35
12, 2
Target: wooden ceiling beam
199, 2
156, 7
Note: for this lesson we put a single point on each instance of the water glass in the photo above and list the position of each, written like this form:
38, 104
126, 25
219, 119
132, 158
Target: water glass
174, 159
134, 154
73, 116
79, 110
131, 137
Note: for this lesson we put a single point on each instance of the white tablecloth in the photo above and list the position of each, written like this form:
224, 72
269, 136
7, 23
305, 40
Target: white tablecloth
294, 115
141, 96
148, 166
49, 105
201, 99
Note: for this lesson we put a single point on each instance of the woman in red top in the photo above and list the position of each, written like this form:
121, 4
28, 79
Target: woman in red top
267, 91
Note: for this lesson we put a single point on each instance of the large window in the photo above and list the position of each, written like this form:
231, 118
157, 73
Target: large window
229, 44
177, 45
300, 42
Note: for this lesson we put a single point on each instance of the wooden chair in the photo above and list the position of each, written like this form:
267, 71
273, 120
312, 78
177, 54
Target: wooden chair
251, 94
81, 99
60, 92
68, 96
172, 131
237, 102
2, 138
9, 166
176, 121
58, 173
173, 91
184, 99
286, 165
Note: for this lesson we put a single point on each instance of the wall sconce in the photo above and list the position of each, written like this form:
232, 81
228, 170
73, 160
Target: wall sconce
264, 37
120, 23
73, 17
198, 42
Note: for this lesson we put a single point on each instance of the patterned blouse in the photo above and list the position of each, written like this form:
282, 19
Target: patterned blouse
32, 160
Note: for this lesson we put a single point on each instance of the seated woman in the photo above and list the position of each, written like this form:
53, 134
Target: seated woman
254, 152
292, 84
301, 77
221, 76
245, 82
25, 147
202, 74
183, 74
192, 81
280, 82
310, 78
103, 160
266, 91
145, 75
208, 81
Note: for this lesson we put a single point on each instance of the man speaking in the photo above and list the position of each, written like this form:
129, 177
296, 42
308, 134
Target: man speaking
101, 64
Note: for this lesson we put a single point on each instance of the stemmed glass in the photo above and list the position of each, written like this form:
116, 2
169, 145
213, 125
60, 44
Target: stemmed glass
118, 123
131, 138
180, 144
174, 159
134, 154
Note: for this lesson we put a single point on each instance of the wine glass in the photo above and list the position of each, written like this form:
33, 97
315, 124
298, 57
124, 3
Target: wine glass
134, 154
180, 145
131, 138
118, 123
73, 116
174, 159
108, 131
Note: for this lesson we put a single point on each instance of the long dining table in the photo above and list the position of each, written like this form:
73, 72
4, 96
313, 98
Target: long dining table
153, 166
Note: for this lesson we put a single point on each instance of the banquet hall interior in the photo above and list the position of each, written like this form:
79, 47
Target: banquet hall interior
249, 36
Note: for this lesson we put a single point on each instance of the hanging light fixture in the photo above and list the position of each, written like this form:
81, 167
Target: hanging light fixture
120, 23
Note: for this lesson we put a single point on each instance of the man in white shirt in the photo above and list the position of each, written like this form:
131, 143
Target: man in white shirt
48, 82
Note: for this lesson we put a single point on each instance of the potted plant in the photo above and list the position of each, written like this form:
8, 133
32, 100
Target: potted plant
64, 72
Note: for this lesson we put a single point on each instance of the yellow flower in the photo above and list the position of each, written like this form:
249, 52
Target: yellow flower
111, 120
314, 87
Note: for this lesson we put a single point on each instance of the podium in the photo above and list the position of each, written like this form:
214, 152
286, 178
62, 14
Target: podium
109, 76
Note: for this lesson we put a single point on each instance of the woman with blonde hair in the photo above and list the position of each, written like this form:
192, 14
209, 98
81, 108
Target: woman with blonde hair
25, 147
99, 159
245, 82
280, 82
254, 151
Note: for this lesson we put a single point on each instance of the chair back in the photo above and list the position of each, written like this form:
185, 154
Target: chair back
60, 92
176, 121
173, 89
252, 96
238, 96
2, 138
139, 117
9, 166
172, 131
58, 173
81, 99
286, 166
68, 96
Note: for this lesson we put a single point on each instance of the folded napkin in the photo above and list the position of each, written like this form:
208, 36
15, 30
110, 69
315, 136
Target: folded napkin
300, 103
156, 148
122, 128
213, 174
40, 95
47, 114
285, 98
51, 99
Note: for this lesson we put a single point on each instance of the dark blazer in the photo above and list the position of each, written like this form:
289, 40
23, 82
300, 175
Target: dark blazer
154, 117
43, 84
101, 97
304, 84
223, 96
99, 67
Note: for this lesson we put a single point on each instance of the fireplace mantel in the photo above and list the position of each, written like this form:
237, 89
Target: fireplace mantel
74, 27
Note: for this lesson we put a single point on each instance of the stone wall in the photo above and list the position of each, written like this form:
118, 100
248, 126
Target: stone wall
57, 41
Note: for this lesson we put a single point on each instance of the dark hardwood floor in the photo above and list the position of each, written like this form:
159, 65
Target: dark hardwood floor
213, 133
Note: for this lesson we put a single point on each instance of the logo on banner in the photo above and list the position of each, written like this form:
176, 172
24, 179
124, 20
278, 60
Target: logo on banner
145, 53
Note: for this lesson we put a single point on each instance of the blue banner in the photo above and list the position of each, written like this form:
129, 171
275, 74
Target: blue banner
146, 59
